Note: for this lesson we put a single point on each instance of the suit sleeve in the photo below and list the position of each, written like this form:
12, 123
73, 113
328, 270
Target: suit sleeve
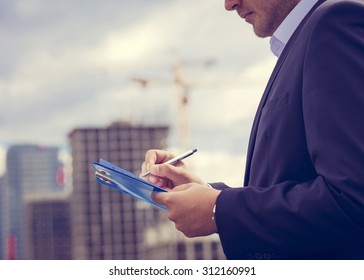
323, 217
219, 186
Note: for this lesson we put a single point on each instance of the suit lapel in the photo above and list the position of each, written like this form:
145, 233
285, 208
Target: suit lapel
272, 78
253, 134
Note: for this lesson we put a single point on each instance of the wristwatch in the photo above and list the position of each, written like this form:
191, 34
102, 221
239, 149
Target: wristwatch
213, 213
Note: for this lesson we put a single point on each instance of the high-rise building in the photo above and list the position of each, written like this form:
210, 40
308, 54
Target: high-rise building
107, 224
2, 216
164, 242
35, 169
48, 227
6, 252
31, 170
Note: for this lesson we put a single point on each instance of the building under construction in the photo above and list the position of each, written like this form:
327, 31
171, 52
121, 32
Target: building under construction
110, 225
106, 224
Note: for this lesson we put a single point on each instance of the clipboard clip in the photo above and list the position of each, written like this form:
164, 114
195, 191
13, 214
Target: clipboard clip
125, 182
107, 178
104, 176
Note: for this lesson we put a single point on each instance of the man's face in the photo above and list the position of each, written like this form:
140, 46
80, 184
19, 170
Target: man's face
264, 15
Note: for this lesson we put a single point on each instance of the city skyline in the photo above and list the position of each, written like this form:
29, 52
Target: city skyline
32, 171
62, 61
38, 220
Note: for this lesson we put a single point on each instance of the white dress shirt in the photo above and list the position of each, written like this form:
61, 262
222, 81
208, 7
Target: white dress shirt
285, 30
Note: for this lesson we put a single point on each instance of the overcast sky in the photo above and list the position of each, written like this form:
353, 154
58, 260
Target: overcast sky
68, 64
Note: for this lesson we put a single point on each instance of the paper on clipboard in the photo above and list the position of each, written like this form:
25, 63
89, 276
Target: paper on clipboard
125, 182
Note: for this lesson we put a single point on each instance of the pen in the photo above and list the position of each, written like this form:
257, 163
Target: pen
176, 159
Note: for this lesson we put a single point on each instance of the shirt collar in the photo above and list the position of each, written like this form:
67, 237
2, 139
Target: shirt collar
285, 30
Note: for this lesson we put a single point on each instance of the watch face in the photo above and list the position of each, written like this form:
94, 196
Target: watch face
213, 212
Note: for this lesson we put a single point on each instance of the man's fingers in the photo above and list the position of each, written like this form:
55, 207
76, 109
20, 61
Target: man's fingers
181, 188
157, 156
167, 171
165, 198
160, 197
153, 157
144, 168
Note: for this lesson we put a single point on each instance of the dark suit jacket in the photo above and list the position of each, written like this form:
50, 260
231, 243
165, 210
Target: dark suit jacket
304, 183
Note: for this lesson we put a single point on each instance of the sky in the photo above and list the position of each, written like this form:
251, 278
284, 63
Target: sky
70, 64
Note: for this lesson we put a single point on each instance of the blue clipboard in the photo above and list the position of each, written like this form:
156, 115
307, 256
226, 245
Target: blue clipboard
125, 182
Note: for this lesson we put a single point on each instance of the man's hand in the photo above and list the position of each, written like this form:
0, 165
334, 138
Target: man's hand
190, 207
166, 175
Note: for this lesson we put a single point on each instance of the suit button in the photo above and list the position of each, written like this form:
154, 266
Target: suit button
249, 256
258, 256
267, 256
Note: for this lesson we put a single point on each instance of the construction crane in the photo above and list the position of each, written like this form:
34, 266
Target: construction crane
184, 87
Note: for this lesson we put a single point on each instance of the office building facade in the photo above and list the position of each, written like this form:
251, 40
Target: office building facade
31, 170
105, 223
48, 227
2, 217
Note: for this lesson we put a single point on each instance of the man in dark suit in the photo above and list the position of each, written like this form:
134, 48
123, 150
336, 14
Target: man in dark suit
304, 181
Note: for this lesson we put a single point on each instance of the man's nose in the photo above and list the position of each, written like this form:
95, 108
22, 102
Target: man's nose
231, 5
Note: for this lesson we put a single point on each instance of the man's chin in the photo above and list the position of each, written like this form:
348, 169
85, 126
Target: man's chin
262, 32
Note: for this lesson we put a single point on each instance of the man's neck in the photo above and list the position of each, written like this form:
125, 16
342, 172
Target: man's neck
289, 25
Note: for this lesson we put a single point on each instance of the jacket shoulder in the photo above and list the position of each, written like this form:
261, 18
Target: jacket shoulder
341, 8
